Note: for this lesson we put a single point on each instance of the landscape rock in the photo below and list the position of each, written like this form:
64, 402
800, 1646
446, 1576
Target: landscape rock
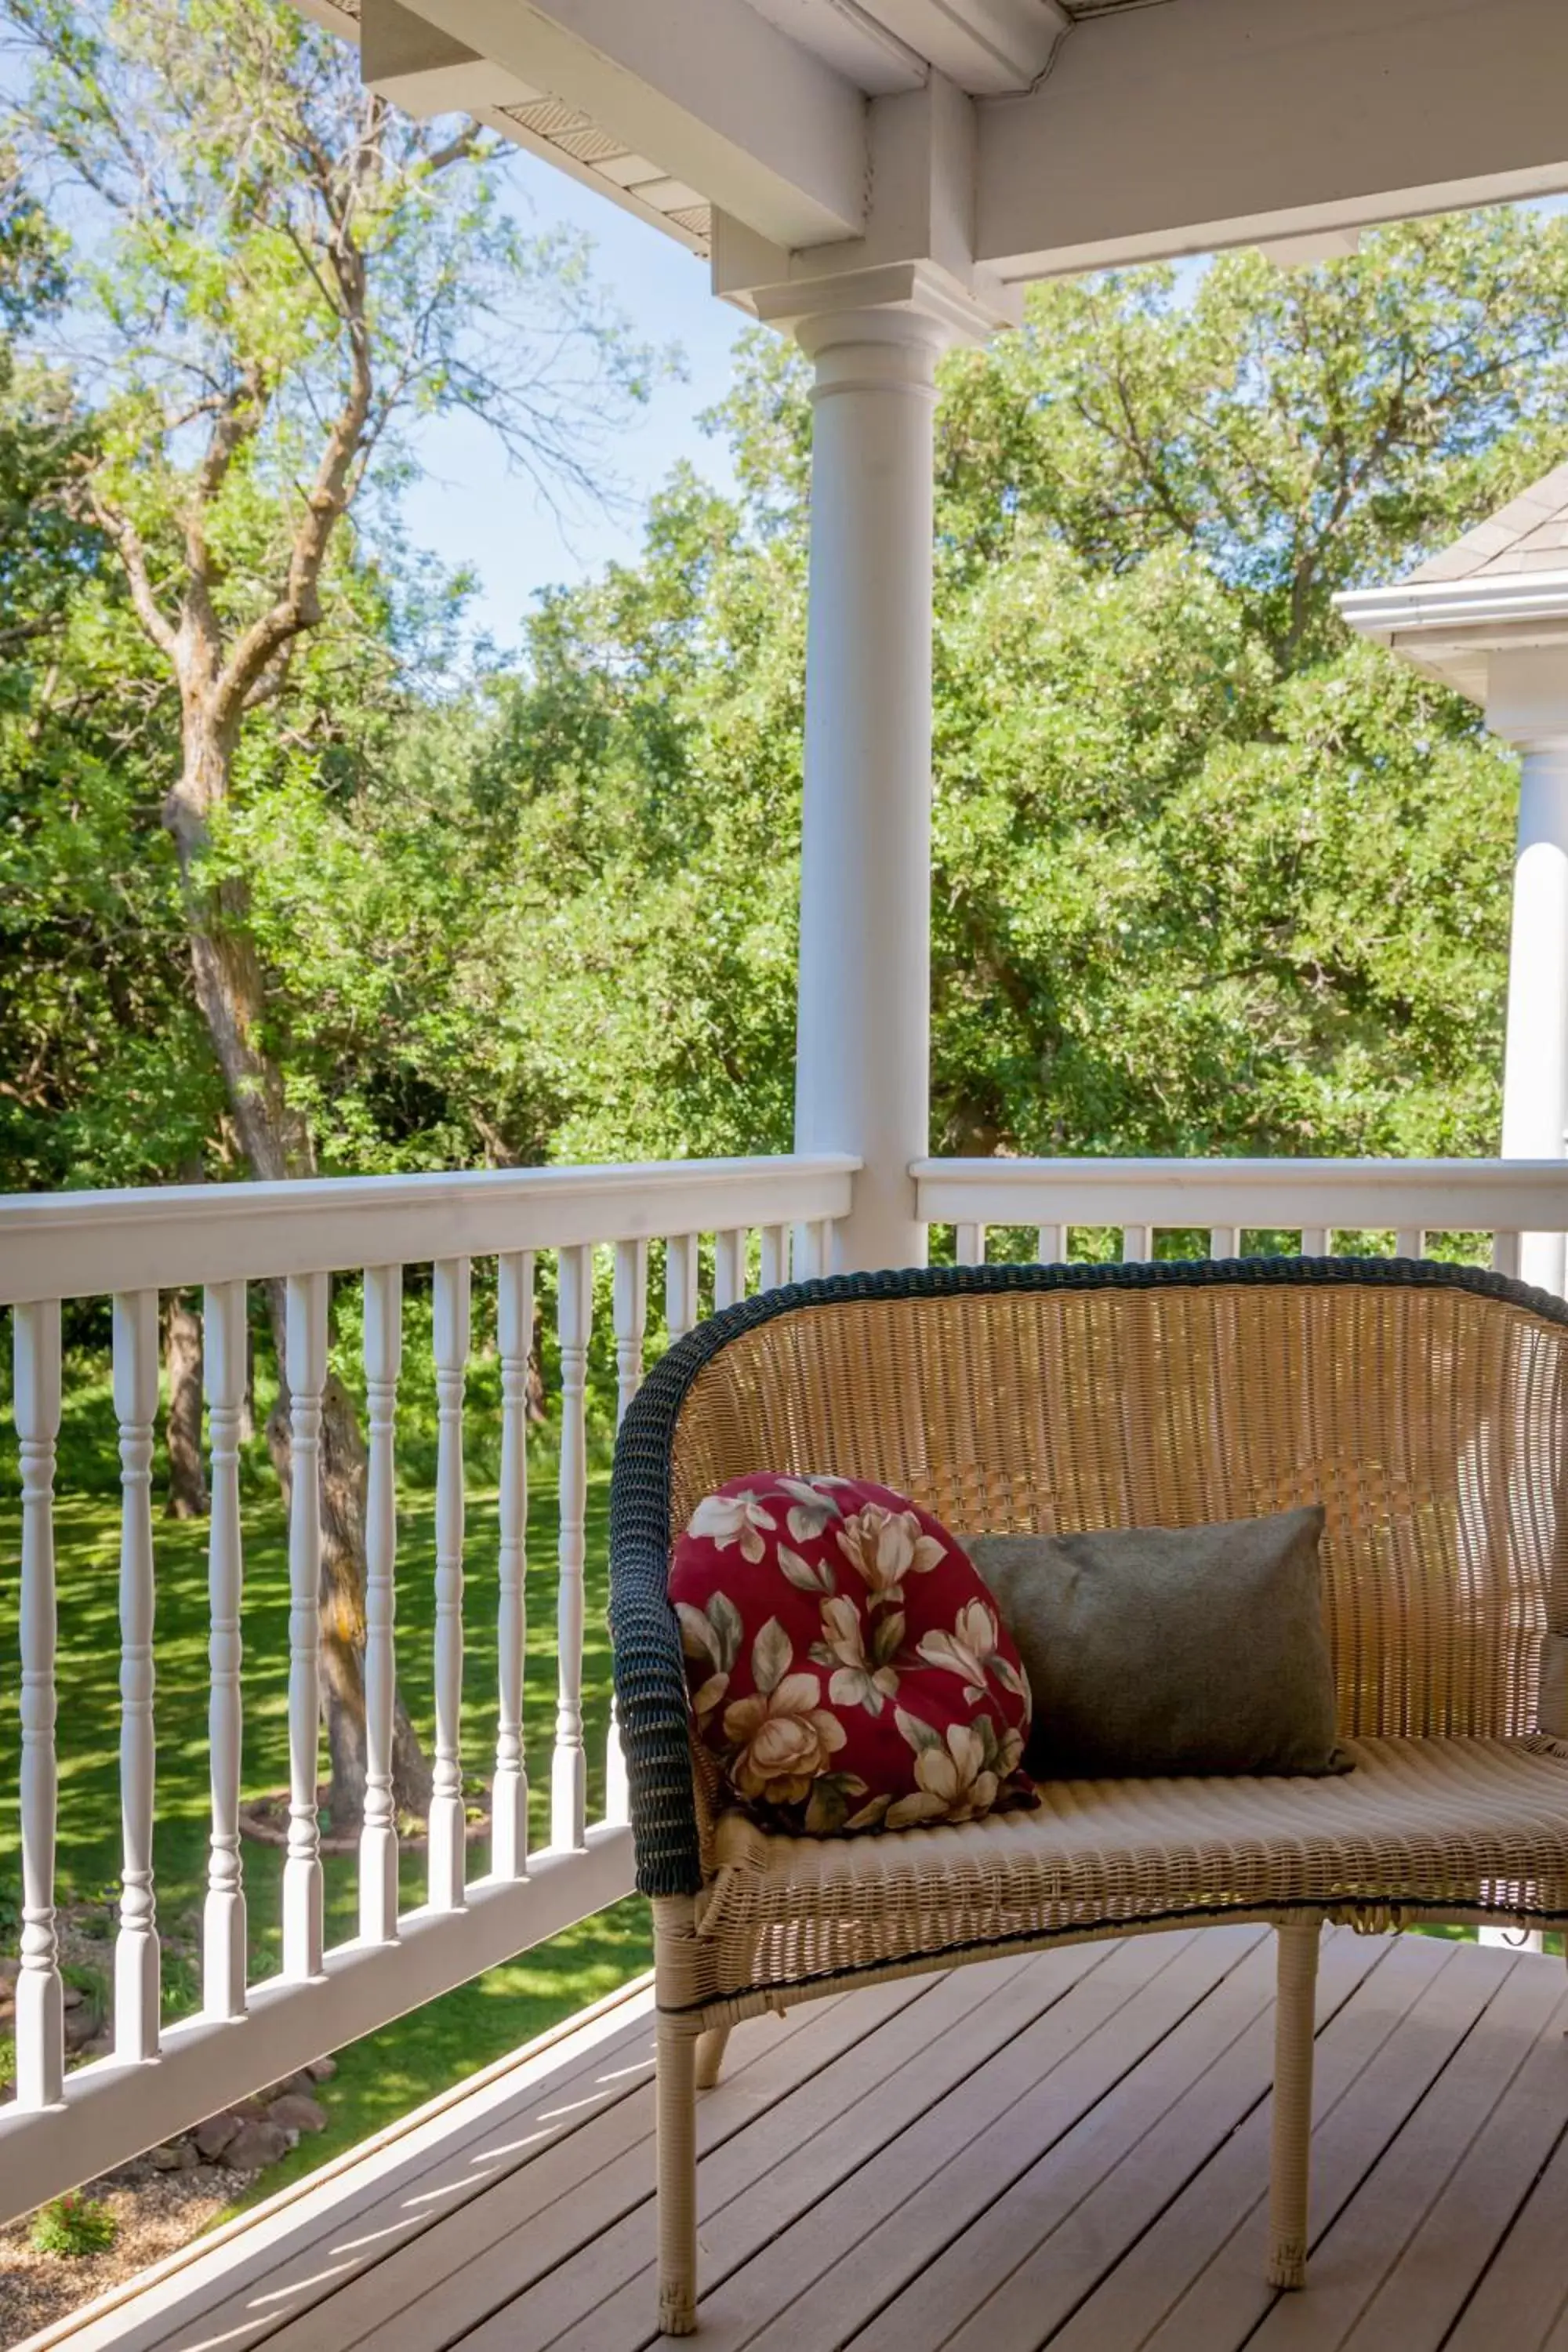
81, 2024
322, 2070
170, 2159
71, 1997
254, 2145
214, 2135
295, 2112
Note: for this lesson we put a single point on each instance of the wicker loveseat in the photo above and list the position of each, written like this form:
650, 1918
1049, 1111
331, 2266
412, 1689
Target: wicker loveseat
1423, 1406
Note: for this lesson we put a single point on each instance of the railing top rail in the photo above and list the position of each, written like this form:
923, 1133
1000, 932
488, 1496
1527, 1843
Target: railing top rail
86, 1244
1486, 1195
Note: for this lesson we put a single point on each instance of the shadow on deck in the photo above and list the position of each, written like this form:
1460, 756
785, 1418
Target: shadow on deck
1068, 2149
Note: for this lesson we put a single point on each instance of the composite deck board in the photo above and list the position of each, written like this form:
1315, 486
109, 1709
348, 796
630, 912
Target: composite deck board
1226, 2194
1523, 2291
787, 2240
1429, 2284
571, 2196
1354, 2257
795, 2157
1229, 2299
946, 2177
1077, 2211
1067, 2150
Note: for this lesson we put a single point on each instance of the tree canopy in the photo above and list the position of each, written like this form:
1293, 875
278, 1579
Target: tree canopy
1209, 875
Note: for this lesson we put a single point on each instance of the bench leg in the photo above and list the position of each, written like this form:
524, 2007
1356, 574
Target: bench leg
710, 2047
677, 2142
1294, 2018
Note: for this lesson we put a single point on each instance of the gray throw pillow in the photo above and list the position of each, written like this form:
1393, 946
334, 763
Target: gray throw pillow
1166, 1649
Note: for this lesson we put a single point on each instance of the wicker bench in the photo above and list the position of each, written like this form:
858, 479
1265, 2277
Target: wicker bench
1423, 1406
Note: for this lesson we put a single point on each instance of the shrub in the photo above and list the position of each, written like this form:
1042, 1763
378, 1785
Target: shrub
74, 2224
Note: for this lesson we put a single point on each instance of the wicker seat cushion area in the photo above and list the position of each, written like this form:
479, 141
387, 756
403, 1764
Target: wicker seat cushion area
1420, 1826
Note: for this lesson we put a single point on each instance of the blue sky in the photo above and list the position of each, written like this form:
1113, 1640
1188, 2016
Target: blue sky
470, 510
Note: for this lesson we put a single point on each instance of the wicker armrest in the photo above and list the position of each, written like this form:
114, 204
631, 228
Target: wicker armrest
645, 1637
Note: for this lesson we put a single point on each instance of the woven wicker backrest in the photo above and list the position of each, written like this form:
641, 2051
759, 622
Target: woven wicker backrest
1424, 1409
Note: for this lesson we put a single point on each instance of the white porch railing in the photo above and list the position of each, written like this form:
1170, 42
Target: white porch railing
1322, 1202
62, 2128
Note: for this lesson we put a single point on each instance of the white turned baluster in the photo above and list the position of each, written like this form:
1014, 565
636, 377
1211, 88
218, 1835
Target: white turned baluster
1137, 1244
136, 1976
630, 1320
1409, 1242
813, 1249
679, 1285
1505, 1253
448, 1839
729, 1268
630, 1311
568, 1778
969, 1245
775, 1257
378, 1838
223, 1922
1314, 1241
509, 1792
40, 1996
1050, 1245
306, 1319
1225, 1241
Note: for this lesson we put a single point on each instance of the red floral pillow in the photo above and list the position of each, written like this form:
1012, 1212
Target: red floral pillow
846, 1665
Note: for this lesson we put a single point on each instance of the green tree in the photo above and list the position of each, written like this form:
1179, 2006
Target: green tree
278, 273
1209, 874
102, 1077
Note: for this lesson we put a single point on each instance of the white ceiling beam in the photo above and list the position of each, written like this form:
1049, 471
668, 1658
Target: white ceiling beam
853, 41
423, 70
714, 94
1207, 123
981, 46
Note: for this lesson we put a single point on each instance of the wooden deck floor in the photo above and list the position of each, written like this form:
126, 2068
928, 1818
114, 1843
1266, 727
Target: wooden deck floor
1068, 2149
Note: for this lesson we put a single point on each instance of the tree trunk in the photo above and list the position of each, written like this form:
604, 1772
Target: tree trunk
231, 993
187, 1492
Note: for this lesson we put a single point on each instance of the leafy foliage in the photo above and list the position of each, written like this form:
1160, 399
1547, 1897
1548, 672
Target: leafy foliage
1208, 875
74, 2224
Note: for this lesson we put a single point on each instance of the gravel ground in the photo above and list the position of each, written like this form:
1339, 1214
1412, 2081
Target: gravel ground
157, 2213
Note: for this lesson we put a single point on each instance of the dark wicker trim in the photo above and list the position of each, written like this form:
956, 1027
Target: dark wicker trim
649, 1671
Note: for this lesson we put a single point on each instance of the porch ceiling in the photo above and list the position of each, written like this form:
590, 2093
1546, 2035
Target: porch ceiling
1066, 2149
1095, 131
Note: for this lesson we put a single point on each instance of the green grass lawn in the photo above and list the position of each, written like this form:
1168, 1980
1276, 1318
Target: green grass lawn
411, 2060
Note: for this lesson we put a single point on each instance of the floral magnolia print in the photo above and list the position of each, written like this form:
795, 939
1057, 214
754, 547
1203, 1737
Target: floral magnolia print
845, 1664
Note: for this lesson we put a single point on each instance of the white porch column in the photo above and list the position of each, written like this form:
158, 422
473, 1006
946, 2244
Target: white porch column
1535, 1066
1527, 703
863, 1046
